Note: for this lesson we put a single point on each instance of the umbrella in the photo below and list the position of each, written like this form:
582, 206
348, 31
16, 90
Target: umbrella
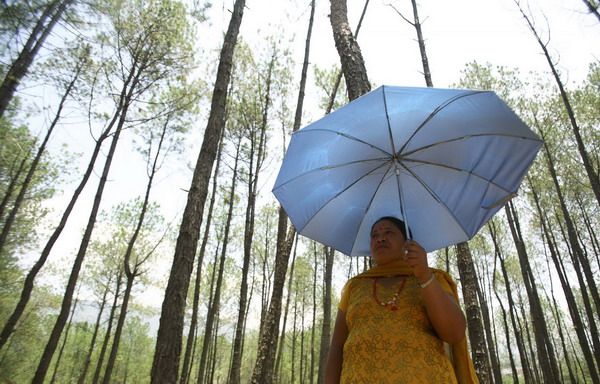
443, 160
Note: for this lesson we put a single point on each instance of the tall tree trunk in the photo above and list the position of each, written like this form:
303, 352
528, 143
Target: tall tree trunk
214, 308
28, 284
578, 255
568, 292
533, 367
314, 316
269, 327
206, 345
497, 255
589, 311
132, 272
24, 188
512, 309
196, 301
64, 342
281, 345
468, 282
353, 64
108, 334
417, 25
560, 325
488, 327
112, 357
295, 335
19, 68
326, 329
254, 170
267, 344
213, 358
88, 356
74, 276
587, 164
165, 366
545, 351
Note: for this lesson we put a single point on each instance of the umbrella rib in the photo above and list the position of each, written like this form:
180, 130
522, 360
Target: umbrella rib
436, 197
387, 118
457, 170
370, 202
344, 190
344, 135
333, 166
466, 138
436, 111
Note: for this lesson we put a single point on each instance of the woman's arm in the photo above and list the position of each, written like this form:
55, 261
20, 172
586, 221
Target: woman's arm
443, 311
333, 368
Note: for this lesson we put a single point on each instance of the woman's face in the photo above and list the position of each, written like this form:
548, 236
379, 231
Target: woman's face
387, 242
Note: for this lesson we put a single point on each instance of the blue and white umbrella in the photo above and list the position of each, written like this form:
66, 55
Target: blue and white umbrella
443, 160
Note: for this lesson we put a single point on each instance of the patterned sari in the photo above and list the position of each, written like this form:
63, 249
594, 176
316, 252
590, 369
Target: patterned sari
397, 346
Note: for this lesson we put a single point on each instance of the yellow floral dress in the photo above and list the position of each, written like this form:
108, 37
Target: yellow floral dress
391, 346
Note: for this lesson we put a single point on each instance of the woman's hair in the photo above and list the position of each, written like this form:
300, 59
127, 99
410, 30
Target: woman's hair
397, 222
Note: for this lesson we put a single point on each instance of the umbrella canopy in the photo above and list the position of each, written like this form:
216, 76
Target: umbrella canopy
442, 160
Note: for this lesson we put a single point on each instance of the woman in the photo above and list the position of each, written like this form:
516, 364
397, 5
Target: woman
393, 319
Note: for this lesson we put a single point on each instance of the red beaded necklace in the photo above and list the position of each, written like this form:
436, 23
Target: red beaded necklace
392, 302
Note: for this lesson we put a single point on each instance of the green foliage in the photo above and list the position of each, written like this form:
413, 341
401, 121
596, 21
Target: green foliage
18, 147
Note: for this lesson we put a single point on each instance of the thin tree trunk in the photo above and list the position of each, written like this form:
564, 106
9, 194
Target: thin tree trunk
64, 342
31, 275
534, 371
587, 164
571, 230
165, 366
132, 273
19, 68
88, 357
281, 345
568, 292
269, 327
214, 308
194, 318
294, 335
417, 25
213, 360
314, 316
326, 329
254, 170
489, 338
74, 276
201, 379
267, 345
108, 334
468, 281
24, 188
302, 335
560, 328
112, 357
515, 323
497, 255
545, 351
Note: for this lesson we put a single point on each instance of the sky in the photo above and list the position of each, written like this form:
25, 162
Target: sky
456, 32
